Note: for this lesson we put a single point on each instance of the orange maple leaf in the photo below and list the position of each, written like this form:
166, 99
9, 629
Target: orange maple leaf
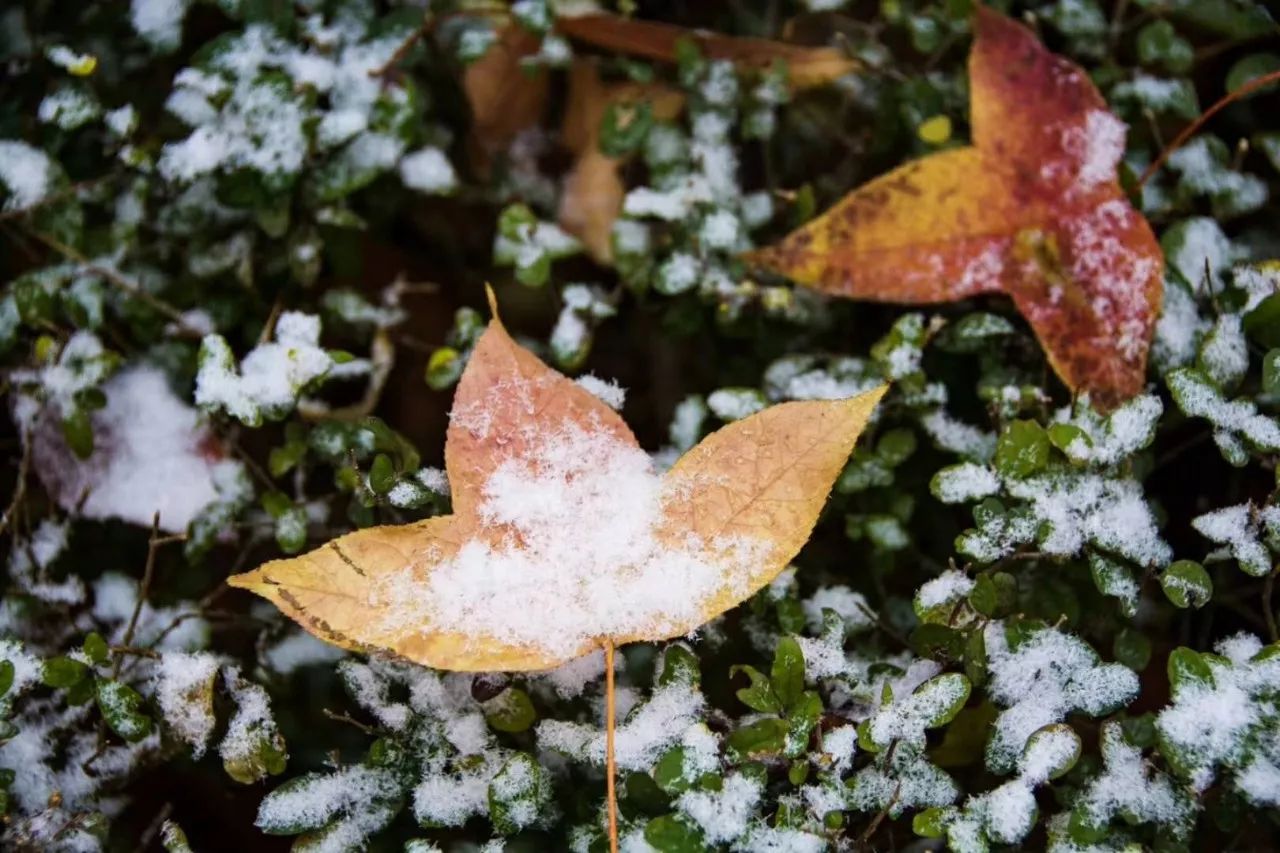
1032, 209
563, 538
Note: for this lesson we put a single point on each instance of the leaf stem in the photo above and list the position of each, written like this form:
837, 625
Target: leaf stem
610, 723
1191, 129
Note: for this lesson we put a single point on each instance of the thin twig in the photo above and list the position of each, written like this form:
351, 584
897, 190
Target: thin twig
345, 718
130, 287
611, 770
1190, 130
1268, 586
20, 488
865, 838
148, 572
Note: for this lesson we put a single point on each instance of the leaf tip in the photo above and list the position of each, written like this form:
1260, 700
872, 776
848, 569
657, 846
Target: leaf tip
492, 299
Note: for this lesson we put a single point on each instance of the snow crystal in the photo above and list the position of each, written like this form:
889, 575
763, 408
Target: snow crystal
26, 668
1110, 513
184, 692
1203, 245
251, 722
669, 715
316, 799
25, 172
1047, 753
570, 679
1041, 680
428, 170
270, 376
122, 121
964, 482
298, 649
947, 588
1199, 398
723, 815
152, 452
720, 231
1104, 136
1110, 440
957, 437
1238, 528
159, 22
768, 839
578, 502
732, 404
1224, 356
850, 606
686, 422
1202, 173
678, 273
607, 391
1130, 787
68, 107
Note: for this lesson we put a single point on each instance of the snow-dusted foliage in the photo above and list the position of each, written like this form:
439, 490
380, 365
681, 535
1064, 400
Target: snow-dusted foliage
244, 250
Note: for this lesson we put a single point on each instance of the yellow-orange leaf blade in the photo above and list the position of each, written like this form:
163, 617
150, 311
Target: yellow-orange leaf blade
932, 230
507, 398
762, 481
337, 593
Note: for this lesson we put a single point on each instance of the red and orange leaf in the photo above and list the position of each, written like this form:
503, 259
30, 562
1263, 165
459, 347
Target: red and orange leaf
564, 537
1032, 209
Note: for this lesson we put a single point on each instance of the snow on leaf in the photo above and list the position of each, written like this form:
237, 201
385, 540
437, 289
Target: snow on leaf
563, 534
1033, 209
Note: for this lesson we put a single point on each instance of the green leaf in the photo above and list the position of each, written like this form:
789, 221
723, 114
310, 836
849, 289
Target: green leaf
994, 593
758, 695
1187, 584
1022, 449
623, 128
1239, 19
121, 707
63, 672
95, 648
942, 696
669, 772
787, 673
1188, 669
510, 711
1040, 743
1271, 372
679, 666
1263, 322
518, 794
1251, 67
932, 822
382, 474
1160, 45
896, 446
6, 676
644, 794
77, 429
1063, 435
761, 738
444, 367
1132, 648
669, 834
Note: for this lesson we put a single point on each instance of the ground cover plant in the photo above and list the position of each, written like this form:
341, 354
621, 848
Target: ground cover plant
246, 249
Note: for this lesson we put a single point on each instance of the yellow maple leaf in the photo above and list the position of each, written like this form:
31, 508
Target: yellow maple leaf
564, 539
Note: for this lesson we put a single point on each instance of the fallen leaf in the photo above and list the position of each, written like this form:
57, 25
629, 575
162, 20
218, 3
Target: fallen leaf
564, 539
505, 96
806, 66
1032, 209
592, 193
